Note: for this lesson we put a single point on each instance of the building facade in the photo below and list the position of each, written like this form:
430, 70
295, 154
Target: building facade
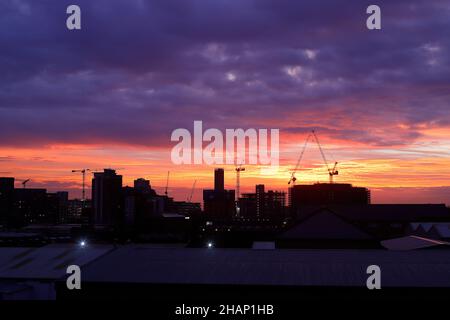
327, 194
107, 198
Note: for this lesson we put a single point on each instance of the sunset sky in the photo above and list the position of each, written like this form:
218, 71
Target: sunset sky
111, 94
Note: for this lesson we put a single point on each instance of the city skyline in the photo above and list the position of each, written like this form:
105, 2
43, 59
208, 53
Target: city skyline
94, 99
211, 158
182, 194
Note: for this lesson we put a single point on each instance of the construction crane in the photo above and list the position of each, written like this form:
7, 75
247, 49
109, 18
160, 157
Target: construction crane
238, 180
192, 191
331, 171
293, 178
167, 183
83, 173
24, 183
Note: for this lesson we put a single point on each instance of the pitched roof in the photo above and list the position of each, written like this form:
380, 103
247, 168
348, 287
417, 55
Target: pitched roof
324, 224
411, 243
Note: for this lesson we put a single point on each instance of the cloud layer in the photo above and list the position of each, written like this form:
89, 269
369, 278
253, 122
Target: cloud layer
139, 69
136, 66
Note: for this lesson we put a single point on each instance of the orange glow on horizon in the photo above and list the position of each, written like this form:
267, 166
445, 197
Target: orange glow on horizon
419, 165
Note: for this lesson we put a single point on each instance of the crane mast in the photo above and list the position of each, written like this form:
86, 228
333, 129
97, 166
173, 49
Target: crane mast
192, 191
167, 183
24, 183
83, 192
293, 178
331, 171
238, 180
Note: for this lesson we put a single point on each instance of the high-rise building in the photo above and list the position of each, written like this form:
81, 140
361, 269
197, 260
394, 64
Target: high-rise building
143, 186
261, 205
259, 200
107, 198
6, 199
326, 194
31, 206
6, 184
79, 211
219, 179
58, 206
21, 207
219, 203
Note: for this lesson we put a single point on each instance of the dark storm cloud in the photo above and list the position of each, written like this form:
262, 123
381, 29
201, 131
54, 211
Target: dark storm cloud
139, 69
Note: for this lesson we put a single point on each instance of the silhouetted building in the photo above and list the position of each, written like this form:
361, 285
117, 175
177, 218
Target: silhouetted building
31, 207
107, 198
134, 205
58, 206
185, 208
219, 203
141, 206
79, 211
360, 225
327, 194
260, 201
261, 205
159, 204
6, 199
24, 206
142, 185
219, 179
275, 203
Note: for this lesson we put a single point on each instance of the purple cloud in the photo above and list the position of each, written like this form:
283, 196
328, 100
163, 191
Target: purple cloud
139, 69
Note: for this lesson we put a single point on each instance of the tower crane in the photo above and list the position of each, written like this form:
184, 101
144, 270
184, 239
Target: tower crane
167, 183
293, 178
24, 183
192, 191
331, 171
83, 173
238, 180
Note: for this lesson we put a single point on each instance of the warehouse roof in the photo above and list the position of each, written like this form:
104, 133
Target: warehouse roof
282, 267
140, 264
49, 262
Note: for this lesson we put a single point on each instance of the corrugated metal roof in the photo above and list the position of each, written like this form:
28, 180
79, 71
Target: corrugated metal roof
411, 243
291, 267
134, 264
49, 262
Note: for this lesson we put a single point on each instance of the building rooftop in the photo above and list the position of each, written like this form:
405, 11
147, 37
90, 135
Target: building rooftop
49, 262
141, 264
383, 212
154, 264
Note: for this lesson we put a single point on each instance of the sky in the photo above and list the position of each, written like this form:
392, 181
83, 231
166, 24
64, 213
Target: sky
110, 94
